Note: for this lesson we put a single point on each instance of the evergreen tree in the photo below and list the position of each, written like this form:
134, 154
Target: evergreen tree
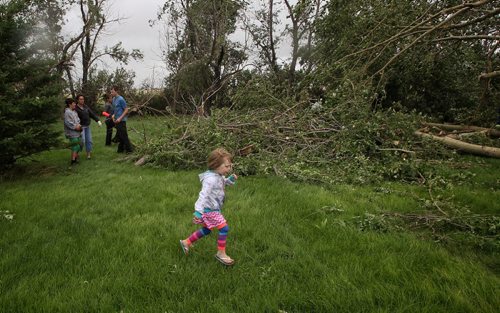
29, 89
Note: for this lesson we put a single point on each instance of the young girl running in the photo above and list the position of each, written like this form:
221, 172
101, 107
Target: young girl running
208, 207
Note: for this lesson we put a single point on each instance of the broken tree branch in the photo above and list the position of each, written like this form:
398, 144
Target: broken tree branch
489, 75
465, 128
463, 146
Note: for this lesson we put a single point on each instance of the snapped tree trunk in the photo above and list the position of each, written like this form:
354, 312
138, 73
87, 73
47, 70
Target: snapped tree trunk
463, 146
490, 132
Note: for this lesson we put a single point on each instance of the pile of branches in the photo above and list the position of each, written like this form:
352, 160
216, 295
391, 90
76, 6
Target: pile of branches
325, 143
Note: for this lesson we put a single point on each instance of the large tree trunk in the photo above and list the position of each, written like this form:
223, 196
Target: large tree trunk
488, 131
70, 82
270, 25
463, 146
295, 41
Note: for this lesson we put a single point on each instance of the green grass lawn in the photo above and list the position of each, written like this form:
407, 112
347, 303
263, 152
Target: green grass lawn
104, 237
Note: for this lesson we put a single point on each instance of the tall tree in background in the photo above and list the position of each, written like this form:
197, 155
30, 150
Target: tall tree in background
201, 57
302, 15
262, 29
95, 19
102, 80
266, 37
62, 50
29, 89
76, 55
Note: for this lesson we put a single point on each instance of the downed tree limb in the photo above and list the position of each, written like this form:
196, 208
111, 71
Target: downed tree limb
463, 146
396, 149
490, 132
489, 75
462, 136
142, 160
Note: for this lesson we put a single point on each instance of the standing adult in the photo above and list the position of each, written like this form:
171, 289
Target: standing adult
120, 118
72, 129
108, 109
85, 113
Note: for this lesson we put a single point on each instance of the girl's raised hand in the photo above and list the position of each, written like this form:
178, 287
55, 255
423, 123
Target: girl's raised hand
233, 177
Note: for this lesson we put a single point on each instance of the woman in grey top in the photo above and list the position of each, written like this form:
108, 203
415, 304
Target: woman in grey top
72, 129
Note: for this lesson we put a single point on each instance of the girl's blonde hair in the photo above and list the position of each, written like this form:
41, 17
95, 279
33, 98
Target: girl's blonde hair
216, 158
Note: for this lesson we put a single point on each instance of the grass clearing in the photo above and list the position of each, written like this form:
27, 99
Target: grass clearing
103, 237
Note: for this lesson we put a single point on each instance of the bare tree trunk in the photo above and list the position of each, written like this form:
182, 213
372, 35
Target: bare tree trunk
70, 82
485, 79
266, 42
96, 24
463, 146
490, 132
310, 36
295, 42
191, 38
85, 49
272, 48
300, 15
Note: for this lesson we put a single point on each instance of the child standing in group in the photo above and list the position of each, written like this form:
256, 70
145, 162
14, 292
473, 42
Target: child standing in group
208, 207
72, 129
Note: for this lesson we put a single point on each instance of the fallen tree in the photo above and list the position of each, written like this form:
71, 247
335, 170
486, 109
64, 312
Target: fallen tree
463, 146
465, 128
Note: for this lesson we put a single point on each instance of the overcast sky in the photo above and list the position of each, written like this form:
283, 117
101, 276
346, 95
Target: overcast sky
135, 32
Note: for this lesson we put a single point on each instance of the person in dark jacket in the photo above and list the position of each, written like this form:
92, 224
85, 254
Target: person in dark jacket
85, 114
108, 109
